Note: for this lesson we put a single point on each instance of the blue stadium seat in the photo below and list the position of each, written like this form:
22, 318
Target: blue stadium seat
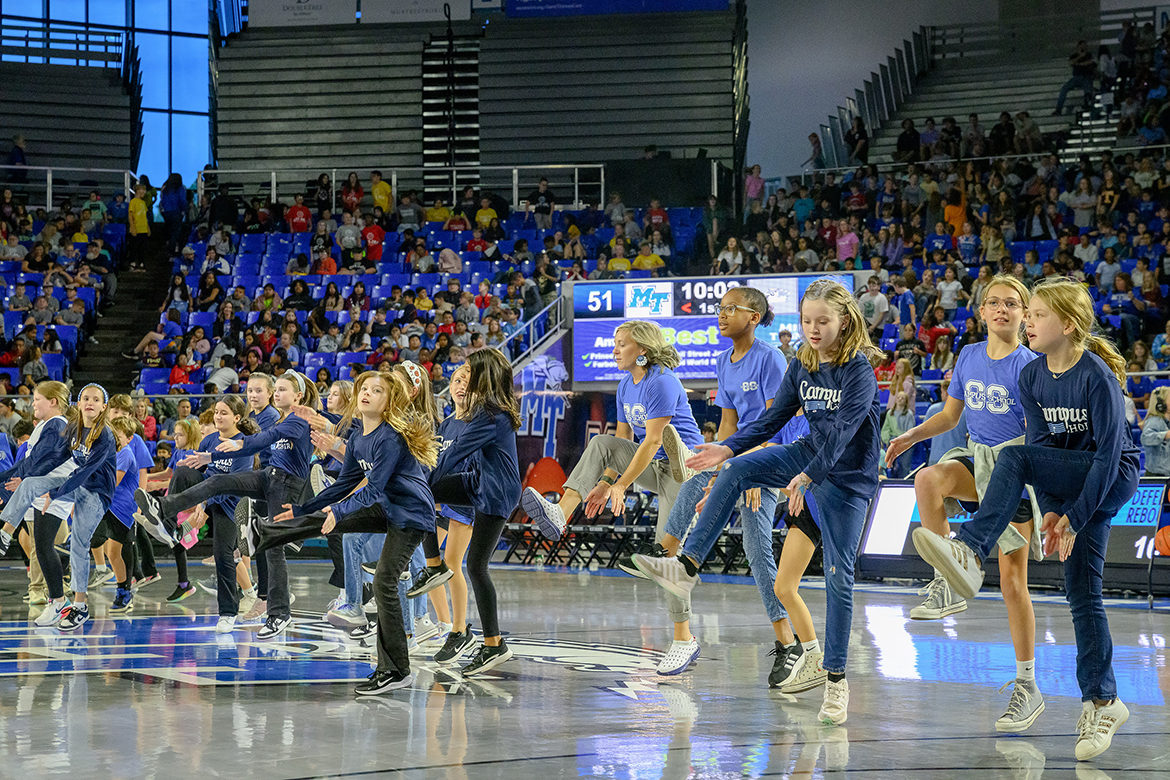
153, 375
204, 319
55, 362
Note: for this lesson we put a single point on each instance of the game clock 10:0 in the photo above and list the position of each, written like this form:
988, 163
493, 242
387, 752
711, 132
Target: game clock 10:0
651, 298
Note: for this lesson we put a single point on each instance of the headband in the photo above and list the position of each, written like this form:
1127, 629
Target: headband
297, 378
105, 395
415, 372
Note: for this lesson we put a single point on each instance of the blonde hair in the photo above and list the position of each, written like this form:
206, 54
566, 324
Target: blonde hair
1070, 302
191, 429
648, 336
310, 397
124, 426
401, 414
122, 402
423, 402
52, 390
1159, 394
854, 336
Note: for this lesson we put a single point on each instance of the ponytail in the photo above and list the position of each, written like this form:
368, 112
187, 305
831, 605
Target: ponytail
1104, 349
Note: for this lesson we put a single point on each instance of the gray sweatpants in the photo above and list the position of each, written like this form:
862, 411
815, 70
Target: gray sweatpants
609, 452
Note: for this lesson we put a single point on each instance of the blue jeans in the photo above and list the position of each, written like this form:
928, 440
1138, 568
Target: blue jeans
757, 537
1082, 83
1062, 474
842, 519
29, 490
88, 511
361, 547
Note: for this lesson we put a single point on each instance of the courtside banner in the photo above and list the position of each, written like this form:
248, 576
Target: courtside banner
405, 11
301, 13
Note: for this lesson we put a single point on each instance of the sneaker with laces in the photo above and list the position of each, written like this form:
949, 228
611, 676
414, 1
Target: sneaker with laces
142, 583
788, 664
547, 516
74, 618
52, 613
37, 597
432, 577
1024, 707
98, 578
247, 603
677, 454
362, 632
954, 560
257, 612
1097, 726
210, 585
338, 601
318, 479
383, 682
458, 643
669, 573
811, 675
226, 624
181, 593
626, 562
123, 601
678, 657
487, 658
940, 601
835, 708
346, 616
273, 627
424, 628
150, 515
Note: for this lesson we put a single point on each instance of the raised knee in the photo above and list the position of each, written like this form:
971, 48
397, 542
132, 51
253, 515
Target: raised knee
927, 480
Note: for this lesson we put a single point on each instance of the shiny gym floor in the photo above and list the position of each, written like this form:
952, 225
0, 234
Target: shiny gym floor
157, 694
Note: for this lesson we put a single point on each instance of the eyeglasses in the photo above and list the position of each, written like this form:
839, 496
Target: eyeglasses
729, 308
1008, 304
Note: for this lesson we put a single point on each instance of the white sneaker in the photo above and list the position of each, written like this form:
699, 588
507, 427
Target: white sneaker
940, 601
318, 479
226, 624
811, 675
547, 516
346, 616
677, 454
424, 629
246, 604
679, 657
1097, 726
670, 573
835, 708
955, 561
52, 613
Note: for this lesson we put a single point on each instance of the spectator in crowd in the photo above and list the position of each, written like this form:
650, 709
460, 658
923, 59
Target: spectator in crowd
1083, 67
911, 349
541, 202
899, 419
1155, 435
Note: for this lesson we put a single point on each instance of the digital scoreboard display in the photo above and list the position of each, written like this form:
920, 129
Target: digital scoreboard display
688, 312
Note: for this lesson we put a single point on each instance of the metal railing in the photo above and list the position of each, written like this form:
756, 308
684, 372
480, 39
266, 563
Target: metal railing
585, 182
30, 181
23, 39
1033, 37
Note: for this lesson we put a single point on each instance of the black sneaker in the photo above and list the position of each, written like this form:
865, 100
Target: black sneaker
487, 658
431, 578
150, 515
787, 665
370, 567
273, 627
364, 632
5, 541
458, 642
626, 562
180, 593
382, 682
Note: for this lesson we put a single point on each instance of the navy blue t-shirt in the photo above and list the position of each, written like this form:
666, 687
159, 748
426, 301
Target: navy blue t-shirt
490, 436
841, 405
1082, 410
395, 481
265, 419
223, 463
95, 466
448, 430
287, 444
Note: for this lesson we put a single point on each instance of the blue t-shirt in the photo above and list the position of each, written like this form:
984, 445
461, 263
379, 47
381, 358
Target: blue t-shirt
122, 504
749, 383
935, 241
990, 392
1082, 410
905, 301
1139, 386
142, 457
659, 394
267, 417
287, 444
969, 248
176, 457
1122, 303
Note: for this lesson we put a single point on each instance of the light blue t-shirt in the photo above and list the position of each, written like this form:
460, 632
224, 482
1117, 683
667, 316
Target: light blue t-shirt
659, 394
990, 392
748, 384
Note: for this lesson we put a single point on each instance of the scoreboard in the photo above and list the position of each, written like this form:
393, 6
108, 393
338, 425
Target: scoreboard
687, 309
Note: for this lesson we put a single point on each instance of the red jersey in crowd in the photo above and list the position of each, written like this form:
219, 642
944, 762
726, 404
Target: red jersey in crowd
300, 219
373, 236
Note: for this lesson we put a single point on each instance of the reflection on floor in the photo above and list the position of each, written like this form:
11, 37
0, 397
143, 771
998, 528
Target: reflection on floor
159, 694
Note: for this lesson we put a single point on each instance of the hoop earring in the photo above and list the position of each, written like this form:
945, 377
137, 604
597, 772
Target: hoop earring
641, 361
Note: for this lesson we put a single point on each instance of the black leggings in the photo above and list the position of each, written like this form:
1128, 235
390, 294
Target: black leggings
45, 535
223, 544
485, 536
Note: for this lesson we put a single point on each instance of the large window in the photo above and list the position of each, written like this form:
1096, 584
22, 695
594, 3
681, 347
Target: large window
172, 39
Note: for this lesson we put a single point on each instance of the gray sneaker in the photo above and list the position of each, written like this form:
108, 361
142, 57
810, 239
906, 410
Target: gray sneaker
1025, 706
677, 454
940, 601
99, 578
